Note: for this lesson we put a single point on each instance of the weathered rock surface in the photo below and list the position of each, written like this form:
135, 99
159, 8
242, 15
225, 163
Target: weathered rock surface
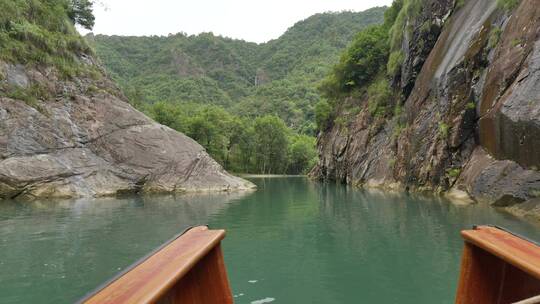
499, 182
471, 111
86, 140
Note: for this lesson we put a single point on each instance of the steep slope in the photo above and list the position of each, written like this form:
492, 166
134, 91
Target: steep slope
278, 77
67, 131
467, 108
203, 68
315, 42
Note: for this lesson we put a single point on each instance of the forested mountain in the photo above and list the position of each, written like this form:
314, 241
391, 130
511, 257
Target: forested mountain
250, 105
278, 77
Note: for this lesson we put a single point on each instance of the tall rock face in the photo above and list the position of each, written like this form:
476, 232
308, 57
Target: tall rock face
81, 138
470, 120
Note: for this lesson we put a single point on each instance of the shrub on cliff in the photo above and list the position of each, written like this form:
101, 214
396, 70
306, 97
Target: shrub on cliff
507, 5
408, 9
359, 64
379, 93
42, 32
323, 113
368, 54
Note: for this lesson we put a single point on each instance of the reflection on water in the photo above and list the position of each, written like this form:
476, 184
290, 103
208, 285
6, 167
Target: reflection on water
55, 252
292, 241
304, 242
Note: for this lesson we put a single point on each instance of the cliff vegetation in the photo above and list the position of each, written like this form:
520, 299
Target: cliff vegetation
67, 131
441, 97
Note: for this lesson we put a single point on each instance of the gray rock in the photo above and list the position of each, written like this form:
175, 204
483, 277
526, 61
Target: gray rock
519, 117
530, 208
85, 145
16, 76
502, 183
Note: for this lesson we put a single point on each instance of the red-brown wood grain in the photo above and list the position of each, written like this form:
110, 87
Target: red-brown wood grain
514, 250
207, 282
190, 265
497, 267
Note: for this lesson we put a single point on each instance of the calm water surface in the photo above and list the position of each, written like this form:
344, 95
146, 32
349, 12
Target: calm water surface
292, 241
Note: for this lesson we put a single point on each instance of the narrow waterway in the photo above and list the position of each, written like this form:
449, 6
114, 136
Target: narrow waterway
292, 241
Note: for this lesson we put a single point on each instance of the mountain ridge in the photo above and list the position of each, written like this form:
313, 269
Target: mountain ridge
218, 70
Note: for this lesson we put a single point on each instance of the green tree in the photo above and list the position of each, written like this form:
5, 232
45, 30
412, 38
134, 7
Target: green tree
211, 128
271, 143
236, 130
360, 63
81, 12
242, 147
302, 154
323, 113
170, 115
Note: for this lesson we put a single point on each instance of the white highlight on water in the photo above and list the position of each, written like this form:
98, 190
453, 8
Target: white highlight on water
262, 301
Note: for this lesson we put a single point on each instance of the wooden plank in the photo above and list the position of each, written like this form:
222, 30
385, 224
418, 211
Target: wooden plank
497, 267
207, 282
508, 247
149, 281
480, 276
517, 286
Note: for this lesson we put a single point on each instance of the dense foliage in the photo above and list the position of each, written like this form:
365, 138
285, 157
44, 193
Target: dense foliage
248, 79
42, 32
254, 107
360, 63
262, 145
367, 66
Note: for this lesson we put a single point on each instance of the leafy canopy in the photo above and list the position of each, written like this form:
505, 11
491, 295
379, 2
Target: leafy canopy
81, 12
366, 67
279, 77
263, 145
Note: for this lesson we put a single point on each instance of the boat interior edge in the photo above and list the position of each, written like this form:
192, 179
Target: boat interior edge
497, 267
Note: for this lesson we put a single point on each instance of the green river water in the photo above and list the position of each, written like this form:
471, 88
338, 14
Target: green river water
292, 241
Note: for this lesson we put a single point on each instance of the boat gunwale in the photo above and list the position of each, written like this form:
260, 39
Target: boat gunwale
501, 244
177, 274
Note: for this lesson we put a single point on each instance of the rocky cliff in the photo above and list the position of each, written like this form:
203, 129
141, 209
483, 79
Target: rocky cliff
67, 131
84, 139
468, 123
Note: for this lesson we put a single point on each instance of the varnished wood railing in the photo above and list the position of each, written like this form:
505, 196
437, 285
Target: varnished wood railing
189, 269
497, 267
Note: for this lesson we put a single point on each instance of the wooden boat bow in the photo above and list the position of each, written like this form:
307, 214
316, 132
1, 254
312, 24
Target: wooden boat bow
188, 269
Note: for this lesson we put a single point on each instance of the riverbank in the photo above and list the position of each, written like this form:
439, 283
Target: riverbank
247, 175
